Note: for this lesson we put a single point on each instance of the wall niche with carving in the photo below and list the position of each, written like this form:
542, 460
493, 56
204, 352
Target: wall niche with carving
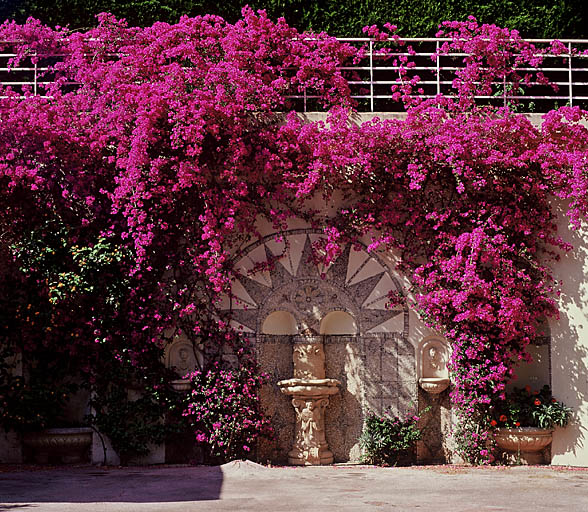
183, 356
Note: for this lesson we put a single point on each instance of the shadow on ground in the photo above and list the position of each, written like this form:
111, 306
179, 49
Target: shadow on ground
21, 489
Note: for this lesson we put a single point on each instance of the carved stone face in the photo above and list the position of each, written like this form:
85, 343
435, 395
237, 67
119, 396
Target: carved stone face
182, 358
435, 358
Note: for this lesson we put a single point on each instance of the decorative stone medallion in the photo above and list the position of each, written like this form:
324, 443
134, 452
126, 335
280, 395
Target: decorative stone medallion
357, 283
307, 296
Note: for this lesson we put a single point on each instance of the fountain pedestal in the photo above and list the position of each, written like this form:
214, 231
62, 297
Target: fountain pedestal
310, 398
310, 392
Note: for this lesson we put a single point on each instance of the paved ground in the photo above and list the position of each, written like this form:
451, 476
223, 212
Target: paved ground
248, 486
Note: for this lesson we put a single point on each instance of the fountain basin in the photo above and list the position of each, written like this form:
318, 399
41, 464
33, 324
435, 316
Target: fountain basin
434, 385
309, 387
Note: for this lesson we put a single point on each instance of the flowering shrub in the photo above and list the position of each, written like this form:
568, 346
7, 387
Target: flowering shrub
473, 440
388, 439
528, 408
157, 151
223, 410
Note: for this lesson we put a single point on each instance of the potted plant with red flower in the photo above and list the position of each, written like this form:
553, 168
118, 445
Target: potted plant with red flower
524, 424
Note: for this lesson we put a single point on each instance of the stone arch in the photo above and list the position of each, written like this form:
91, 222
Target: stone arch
338, 323
373, 359
279, 323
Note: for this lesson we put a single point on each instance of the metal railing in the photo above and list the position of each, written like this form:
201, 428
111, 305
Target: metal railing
18, 77
374, 76
370, 80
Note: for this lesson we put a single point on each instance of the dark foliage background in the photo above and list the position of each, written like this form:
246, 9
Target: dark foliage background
415, 18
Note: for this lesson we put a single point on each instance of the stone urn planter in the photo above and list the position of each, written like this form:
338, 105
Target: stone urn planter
524, 445
58, 445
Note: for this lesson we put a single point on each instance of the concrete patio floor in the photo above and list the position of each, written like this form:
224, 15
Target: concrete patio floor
249, 486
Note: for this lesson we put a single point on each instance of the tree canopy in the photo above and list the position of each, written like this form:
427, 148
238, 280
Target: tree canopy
414, 18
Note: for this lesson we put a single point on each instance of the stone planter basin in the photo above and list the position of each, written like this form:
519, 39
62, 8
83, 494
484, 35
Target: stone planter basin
524, 445
59, 445
434, 385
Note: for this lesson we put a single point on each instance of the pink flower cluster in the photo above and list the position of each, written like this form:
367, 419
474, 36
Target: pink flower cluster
223, 409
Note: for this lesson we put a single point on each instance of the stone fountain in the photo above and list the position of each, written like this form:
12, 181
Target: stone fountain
310, 392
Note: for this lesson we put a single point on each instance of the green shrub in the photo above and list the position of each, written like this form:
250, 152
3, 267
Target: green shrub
389, 440
414, 18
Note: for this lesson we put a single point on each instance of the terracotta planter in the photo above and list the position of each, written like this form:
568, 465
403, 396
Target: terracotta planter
58, 445
524, 445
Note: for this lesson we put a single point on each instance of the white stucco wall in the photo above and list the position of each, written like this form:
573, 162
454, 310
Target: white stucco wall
569, 346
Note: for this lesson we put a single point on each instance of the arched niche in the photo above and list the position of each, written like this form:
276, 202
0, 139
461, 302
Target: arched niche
338, 322
432, 371
183, 356
280, 323
433, 358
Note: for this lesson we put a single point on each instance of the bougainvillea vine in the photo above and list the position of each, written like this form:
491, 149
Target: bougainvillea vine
153, 153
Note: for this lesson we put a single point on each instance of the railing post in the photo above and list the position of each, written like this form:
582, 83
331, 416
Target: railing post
371, 75
305, 111
438, 66
35, 80
570, 81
